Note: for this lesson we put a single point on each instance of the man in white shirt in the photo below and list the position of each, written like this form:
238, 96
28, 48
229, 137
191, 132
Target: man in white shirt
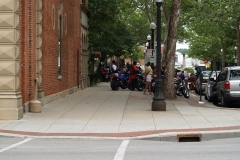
185, 74
114, 69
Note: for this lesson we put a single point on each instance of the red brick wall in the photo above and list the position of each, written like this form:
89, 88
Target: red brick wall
71, 43
27, 45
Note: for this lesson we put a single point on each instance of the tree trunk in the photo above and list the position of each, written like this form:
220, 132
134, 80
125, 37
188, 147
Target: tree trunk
214, 65
169, 51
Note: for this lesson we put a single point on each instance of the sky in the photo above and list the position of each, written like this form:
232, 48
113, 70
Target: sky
182, 46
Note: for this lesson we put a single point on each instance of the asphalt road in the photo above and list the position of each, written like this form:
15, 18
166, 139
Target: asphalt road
99, 149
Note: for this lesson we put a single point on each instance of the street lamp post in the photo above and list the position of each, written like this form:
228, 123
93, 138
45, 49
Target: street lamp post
152, 26
235, 57
149, 39
158, 103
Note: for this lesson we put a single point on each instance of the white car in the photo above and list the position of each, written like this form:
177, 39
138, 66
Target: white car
209, 85
205, 75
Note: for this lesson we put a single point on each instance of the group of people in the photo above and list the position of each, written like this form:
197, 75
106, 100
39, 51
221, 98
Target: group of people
131, 69
136, 69
149, 72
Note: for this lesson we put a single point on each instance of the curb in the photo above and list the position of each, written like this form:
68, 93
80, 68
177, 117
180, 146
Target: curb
203, 136
168, 136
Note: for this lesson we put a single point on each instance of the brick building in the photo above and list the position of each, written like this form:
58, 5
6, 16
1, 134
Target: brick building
43, 45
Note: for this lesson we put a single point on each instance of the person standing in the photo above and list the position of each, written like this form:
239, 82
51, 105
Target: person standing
133, 77
102, 71
199, 76
114, 69
198, 71
148, 78
185, 74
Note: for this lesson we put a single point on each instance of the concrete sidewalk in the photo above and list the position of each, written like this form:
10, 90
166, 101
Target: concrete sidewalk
100, 112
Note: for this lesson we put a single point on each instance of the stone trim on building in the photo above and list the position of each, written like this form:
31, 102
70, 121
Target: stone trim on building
39, 48
10, 96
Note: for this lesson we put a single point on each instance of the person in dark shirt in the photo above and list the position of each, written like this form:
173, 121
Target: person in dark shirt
198, 71
102, 71
133, 77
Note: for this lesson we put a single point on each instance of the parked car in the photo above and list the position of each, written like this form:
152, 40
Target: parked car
209, 85
205, 75
227, 87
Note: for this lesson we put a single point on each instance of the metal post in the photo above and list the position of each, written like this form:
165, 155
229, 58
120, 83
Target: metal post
158, 103
152, 39
235, 57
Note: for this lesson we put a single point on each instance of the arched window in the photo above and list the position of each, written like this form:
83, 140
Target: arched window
60, 33
53, 17
65, 23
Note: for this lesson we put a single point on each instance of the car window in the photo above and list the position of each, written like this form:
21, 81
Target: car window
223, 75
214, 74
234, 75
206, 74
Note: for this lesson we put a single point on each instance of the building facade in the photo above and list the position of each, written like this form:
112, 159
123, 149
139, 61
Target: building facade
40, 47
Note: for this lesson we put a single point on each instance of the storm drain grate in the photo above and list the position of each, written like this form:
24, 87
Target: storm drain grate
189, 137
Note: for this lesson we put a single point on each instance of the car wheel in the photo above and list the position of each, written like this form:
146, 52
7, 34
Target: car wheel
215, 101
208, 97
196, 91
224, 102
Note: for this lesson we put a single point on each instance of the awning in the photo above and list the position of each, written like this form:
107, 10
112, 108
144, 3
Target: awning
97, 54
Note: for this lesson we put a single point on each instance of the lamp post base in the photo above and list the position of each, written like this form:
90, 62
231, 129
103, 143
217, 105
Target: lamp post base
158, 106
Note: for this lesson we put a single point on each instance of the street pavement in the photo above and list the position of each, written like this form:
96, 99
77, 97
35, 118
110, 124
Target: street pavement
99, 112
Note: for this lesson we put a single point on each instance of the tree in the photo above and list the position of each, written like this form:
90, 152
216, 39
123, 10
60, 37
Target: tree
140, 14
106, 32
218, 22
172, 17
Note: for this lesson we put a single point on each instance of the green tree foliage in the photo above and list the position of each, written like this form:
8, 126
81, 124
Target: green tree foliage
106, 32
213, 25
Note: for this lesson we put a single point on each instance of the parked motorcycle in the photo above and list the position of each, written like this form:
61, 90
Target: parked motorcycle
121, 81
140, 83
154, 77
180, 88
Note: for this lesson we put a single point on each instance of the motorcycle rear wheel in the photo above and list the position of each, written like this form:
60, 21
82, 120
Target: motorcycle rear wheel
185, 92
140, 86
123, 84
114, 85
130, 86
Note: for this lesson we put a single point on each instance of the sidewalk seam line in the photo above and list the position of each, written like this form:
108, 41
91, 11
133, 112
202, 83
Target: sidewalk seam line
124, 112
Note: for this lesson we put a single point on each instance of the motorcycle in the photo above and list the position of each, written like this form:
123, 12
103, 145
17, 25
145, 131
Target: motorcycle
180, 88
154, 77
140, 84
121, 81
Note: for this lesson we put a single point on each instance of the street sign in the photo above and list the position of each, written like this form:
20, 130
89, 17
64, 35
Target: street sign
149, 53
154, 53
152, 60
